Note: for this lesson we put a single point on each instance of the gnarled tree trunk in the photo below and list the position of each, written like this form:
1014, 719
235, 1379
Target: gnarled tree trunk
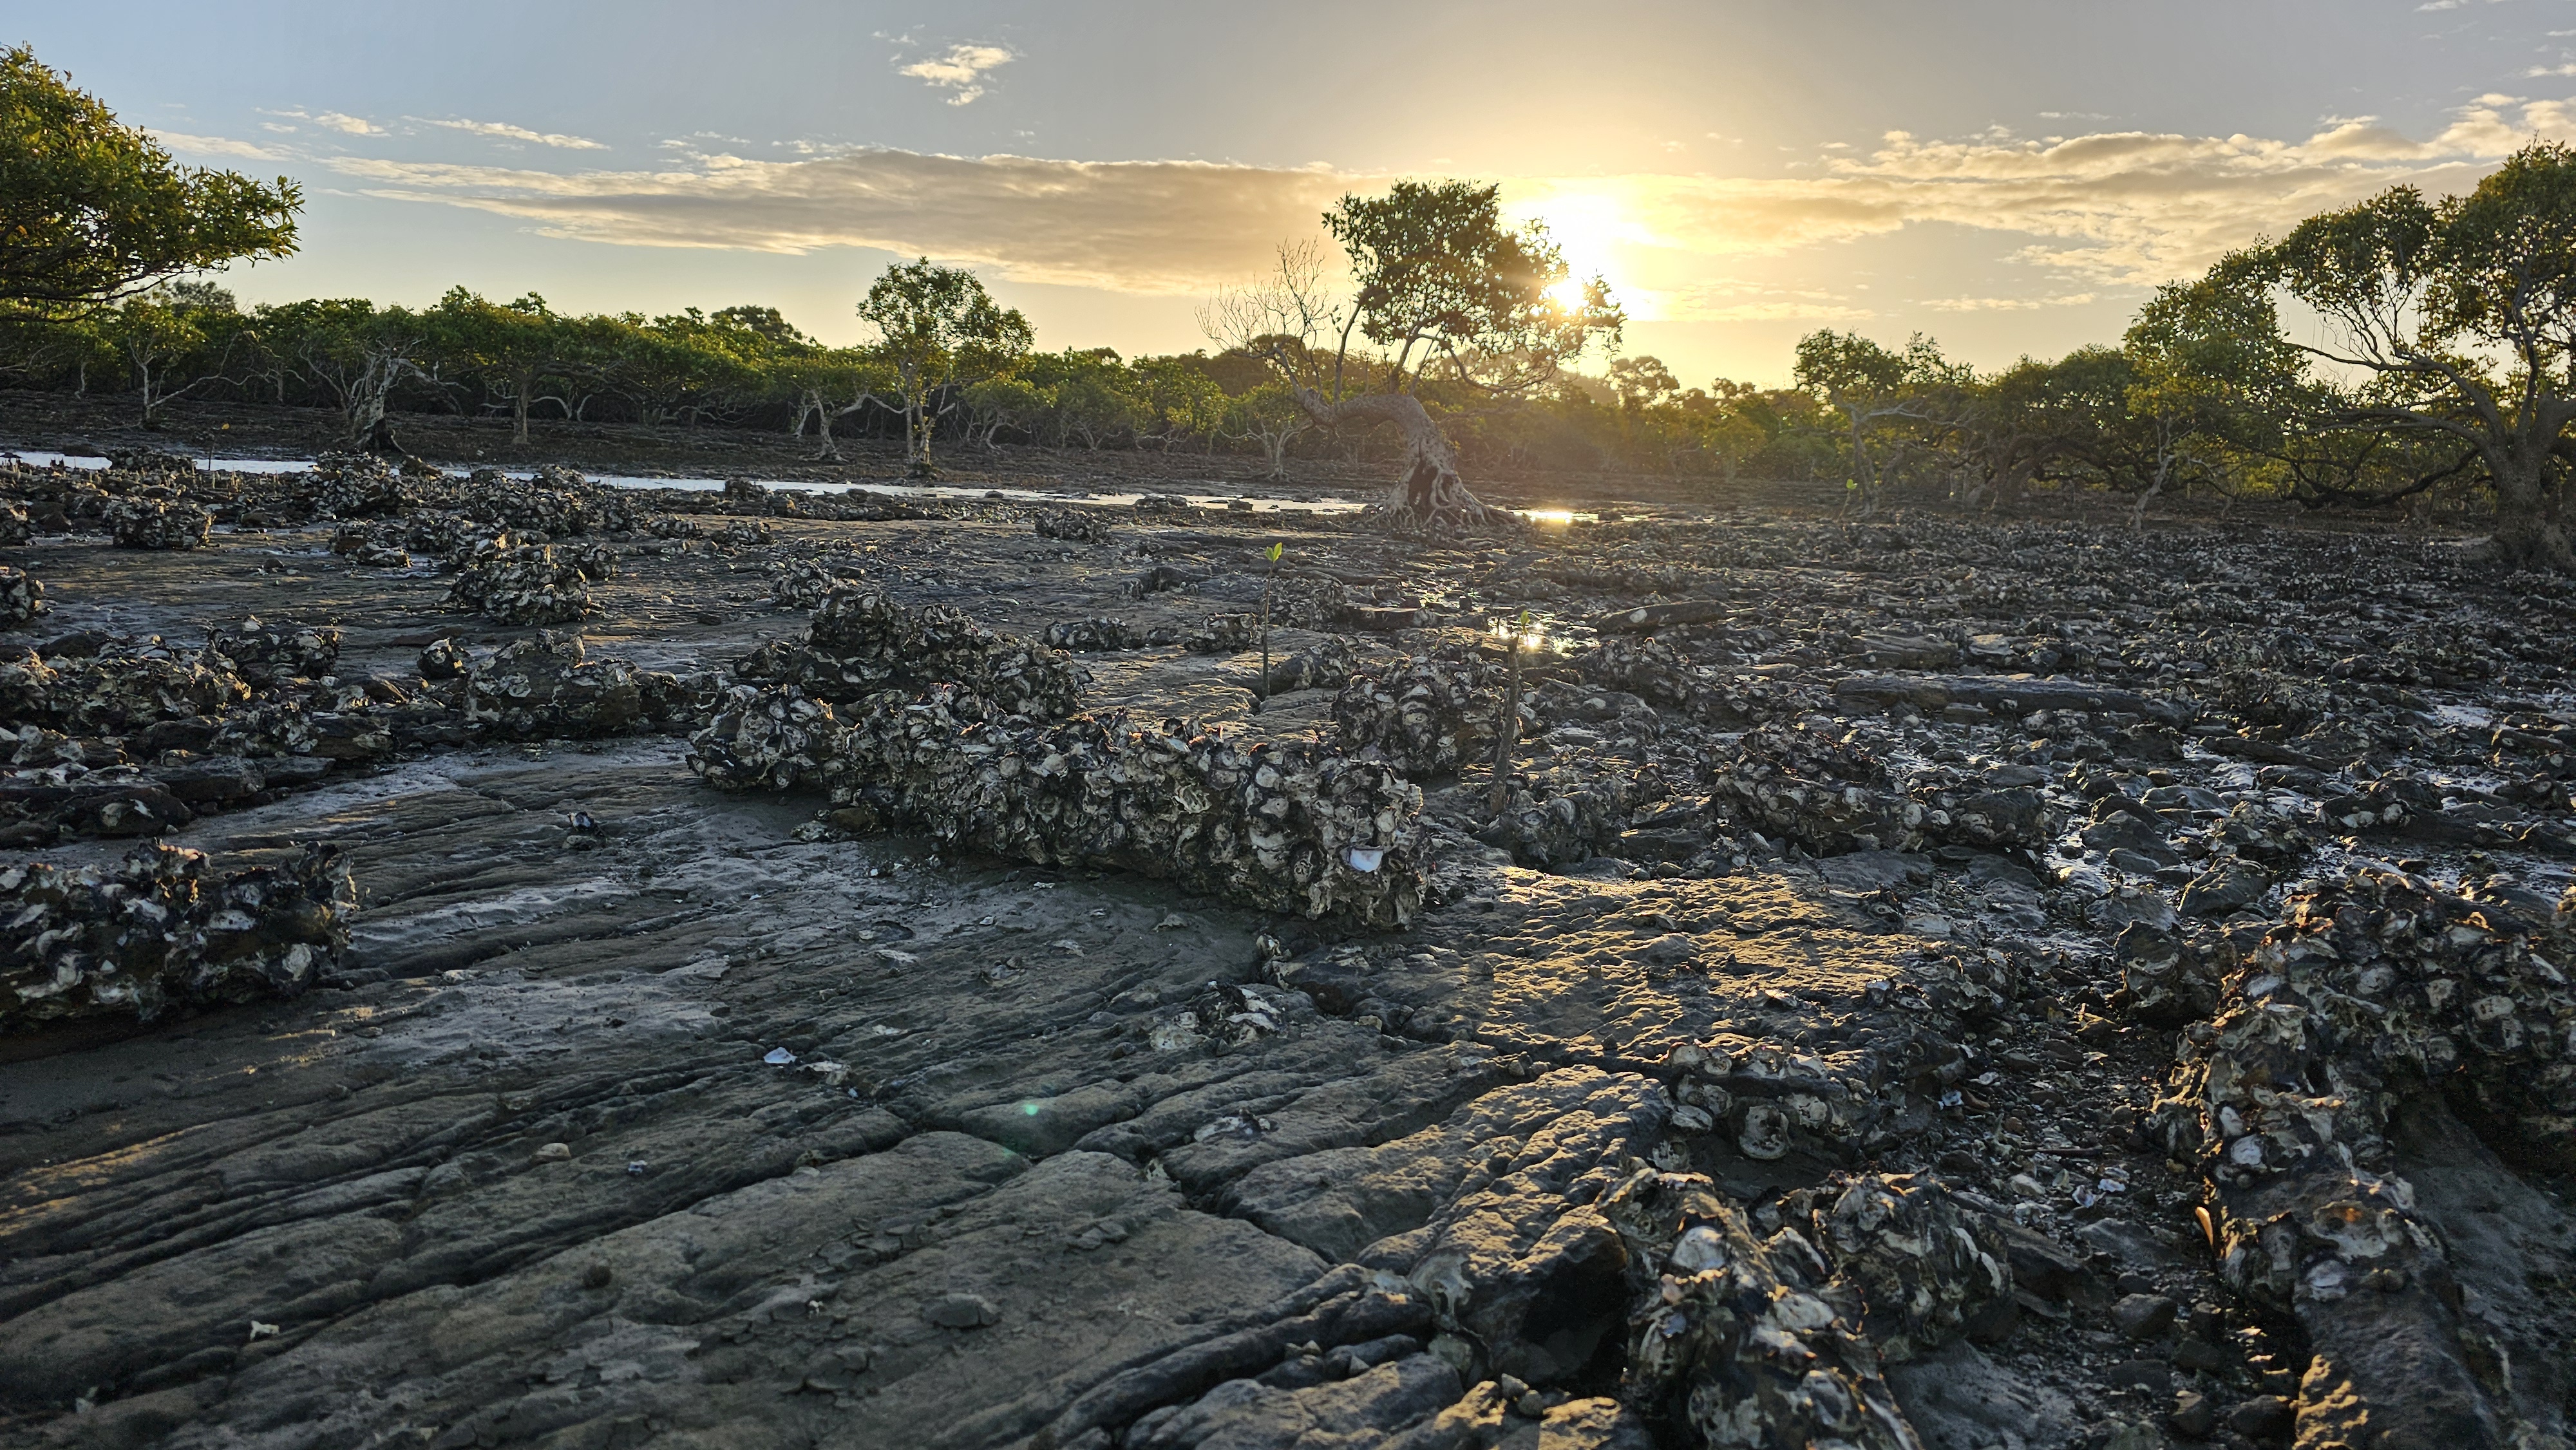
2531, 512
821, 407
523, 383
1432, 496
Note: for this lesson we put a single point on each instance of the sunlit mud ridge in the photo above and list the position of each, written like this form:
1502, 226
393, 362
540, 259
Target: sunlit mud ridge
907, 975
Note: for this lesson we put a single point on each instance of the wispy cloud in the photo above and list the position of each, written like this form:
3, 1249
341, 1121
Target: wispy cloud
1732, 299
1141, 226
961, 71
2117, 207
2004, 304
184, 143
339, 121
2110, 209
504, 131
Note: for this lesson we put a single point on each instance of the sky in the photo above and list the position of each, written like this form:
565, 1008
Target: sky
2010, 178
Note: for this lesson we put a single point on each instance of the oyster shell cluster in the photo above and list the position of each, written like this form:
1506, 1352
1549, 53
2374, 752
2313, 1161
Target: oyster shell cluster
267, 655
355, 486
139, 521
521, 583
1823, 789
862, 641
361, 545
160, 930
1327, 664
1424, 716
1760, 1340
1230, 632
1103, 635
22, 597
2371, 997
1073, 526
977, 743
547, 688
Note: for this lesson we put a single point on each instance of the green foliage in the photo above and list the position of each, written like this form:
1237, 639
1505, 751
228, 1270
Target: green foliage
347, 348
2461, 316
1093, 396
1440, 279
1177, 399
1642, 383
520, 345
173, 340
1872, 385
92, 210
1268, 416
937, 326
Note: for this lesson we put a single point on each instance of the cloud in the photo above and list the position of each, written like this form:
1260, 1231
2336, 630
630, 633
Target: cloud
329, 120
503, 130
961, 70
181, 141
1759, 312
1156, 227
2128, 208
1730, 299
2004, 304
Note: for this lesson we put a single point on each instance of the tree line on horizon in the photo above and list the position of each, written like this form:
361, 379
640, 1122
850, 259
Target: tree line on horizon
2448, 359
523, 362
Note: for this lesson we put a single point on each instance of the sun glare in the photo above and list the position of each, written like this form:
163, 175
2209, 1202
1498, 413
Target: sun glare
1585, 229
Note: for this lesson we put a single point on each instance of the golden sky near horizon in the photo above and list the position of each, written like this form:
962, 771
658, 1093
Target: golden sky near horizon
2011, 178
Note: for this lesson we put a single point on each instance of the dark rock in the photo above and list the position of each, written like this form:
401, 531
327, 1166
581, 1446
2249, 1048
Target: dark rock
2194, 1414
2153, 1376
2144, 1316
2222, 890
212, 779
2262, 1419
961, 1311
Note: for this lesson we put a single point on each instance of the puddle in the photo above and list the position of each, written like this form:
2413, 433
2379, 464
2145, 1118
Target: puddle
1232, 503
1223, 503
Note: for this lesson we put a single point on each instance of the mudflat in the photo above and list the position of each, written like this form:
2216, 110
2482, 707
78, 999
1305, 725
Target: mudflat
781, 968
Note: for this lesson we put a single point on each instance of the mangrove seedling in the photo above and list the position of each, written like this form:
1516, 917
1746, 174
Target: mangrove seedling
1267, 582
1507, 731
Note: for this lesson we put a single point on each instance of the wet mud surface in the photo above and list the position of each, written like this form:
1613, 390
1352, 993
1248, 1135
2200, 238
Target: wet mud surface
731, 976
